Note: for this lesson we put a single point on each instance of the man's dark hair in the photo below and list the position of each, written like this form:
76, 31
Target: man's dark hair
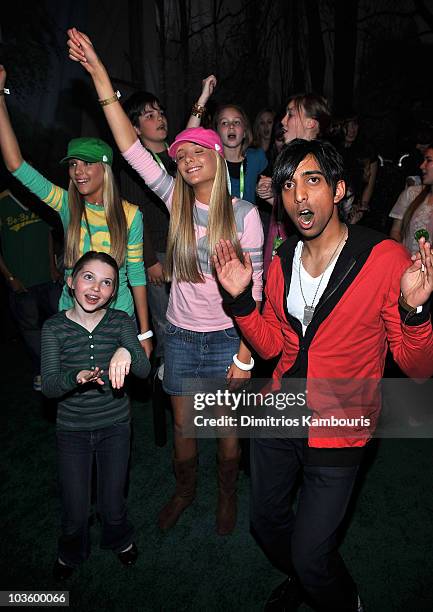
135, 105
329, 160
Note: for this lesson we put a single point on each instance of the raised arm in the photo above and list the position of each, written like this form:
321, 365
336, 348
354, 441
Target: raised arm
8, 141
49, 193
81, 50
417, 281
261, 331
233, 275
208, 86
408, 326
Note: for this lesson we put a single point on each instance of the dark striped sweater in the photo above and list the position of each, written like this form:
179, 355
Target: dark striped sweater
68, 348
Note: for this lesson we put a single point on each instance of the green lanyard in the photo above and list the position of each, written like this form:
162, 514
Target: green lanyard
241, 181
158, 159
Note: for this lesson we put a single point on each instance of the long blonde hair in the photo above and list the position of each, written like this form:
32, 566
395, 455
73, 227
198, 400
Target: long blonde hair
115, 215
182, 259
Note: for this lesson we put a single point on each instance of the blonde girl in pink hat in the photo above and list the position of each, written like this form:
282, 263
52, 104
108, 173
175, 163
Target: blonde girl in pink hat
202, 341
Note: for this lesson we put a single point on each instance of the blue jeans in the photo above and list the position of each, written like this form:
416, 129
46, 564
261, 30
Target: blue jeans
29, 309
75, 452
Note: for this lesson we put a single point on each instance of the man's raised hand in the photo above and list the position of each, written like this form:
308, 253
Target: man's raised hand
233, 275
417, 281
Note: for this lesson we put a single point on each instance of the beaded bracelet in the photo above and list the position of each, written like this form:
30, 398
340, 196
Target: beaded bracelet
198, 110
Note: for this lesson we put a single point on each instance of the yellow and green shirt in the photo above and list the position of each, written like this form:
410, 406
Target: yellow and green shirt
132, 271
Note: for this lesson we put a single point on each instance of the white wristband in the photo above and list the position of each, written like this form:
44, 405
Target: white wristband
243, 366
146, 335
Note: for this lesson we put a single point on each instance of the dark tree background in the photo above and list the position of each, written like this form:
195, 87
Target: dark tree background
368, 55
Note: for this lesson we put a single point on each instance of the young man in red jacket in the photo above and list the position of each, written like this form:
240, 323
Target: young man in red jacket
336, 298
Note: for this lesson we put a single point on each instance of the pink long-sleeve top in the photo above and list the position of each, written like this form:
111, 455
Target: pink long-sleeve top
198, 306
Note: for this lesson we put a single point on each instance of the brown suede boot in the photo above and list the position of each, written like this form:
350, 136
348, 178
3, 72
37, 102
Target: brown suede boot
186, 477
228, 471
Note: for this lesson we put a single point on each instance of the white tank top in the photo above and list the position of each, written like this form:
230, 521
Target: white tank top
295, 301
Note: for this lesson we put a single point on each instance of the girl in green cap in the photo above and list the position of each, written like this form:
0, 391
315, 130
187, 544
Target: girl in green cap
93, 215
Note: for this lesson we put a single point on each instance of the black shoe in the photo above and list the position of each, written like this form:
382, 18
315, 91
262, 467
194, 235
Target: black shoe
62, 572
287, 597
129, 557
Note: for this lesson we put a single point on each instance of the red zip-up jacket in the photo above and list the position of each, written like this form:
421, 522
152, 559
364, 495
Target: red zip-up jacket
354, 322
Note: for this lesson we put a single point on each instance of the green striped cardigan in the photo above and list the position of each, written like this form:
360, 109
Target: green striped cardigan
68, 348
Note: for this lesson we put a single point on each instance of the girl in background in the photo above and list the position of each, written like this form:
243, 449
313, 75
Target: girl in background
308, 117
245, 163
201, 340
87, 351
262, 129
414, 208
360, 169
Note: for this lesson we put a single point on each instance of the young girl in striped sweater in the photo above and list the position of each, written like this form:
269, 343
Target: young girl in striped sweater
87, 351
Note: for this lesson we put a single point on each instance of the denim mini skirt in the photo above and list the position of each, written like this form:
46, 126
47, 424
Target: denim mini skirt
196, 355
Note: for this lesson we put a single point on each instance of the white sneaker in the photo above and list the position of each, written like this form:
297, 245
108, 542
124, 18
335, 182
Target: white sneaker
360, 606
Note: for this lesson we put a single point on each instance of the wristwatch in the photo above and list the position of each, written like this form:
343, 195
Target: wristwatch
411, 310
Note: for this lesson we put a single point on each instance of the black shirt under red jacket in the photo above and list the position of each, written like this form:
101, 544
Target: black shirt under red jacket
355, 321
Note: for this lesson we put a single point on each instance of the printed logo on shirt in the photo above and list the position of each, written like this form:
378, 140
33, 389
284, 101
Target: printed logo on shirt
16, 223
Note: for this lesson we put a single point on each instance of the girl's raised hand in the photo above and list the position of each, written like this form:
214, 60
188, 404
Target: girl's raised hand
81, 50
119, 367
208, 86
233, 275
89, 376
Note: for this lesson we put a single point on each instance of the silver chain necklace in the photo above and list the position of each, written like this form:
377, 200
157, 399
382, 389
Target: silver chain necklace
309, 310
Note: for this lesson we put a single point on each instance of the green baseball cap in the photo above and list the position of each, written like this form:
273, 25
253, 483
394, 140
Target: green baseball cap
90, 150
